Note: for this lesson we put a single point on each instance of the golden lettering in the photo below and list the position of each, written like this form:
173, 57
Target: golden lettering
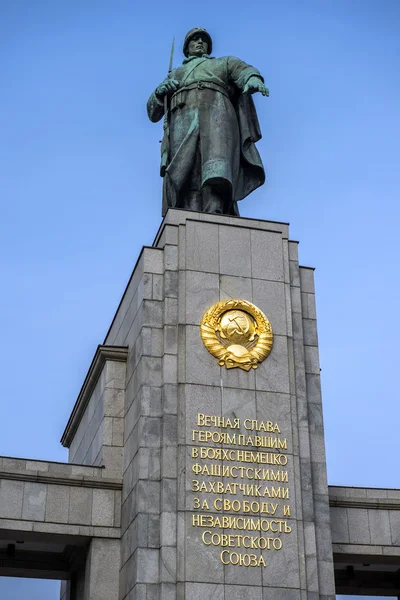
258, 441
217, 421
239, 472
244, 560
241, 523
232, 488
259, 513
239, 541
254, 425
268, 458
245, 506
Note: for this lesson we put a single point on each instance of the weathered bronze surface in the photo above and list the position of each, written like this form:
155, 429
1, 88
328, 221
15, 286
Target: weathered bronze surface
237, 333
209, 160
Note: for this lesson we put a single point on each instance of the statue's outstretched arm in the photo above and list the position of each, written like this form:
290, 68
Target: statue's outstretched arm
245, 77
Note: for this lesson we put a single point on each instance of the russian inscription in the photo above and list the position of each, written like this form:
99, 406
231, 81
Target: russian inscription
252, 494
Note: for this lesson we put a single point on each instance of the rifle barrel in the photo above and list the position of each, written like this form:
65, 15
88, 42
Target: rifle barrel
171, 58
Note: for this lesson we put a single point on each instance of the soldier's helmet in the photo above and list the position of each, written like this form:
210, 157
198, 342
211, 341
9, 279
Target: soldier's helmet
192, 33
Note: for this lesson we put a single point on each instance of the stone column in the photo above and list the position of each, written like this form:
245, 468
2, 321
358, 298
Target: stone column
102, 570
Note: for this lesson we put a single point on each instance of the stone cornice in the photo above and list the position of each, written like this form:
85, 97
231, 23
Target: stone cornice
103, 353
380, 503
52, 479
382, 499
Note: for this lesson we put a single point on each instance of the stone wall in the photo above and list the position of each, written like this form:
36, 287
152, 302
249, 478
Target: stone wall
365, 521
57, 498
139, 324
87, 444
366, 540
95, 431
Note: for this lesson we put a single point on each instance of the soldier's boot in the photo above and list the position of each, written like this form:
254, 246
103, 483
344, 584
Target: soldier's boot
213, 201
193, 200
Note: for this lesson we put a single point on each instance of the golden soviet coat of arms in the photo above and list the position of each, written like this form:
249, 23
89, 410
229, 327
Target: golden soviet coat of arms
237, 333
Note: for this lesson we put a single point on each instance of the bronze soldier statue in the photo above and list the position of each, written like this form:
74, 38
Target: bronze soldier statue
209, 157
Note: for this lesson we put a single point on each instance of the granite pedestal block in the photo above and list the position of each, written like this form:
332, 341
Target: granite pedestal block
197, 260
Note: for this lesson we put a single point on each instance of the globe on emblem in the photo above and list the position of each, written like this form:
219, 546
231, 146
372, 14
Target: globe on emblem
237, 327
237, 333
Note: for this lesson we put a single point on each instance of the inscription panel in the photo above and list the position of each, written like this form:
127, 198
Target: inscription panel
240, 488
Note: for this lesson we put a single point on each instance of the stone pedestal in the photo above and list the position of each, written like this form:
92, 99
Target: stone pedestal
187, 531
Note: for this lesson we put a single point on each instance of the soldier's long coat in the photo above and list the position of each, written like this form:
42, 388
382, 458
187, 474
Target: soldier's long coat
218, 124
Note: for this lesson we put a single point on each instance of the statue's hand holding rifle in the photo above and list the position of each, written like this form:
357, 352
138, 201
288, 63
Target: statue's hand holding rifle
166, 88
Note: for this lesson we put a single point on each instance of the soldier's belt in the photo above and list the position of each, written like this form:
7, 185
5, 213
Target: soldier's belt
179, 98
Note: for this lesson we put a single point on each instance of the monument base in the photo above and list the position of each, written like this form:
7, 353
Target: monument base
212, 509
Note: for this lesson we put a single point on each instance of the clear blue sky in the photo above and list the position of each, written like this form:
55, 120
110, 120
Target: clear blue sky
81, 194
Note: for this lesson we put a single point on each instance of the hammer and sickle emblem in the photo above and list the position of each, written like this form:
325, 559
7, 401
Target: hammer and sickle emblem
237, 333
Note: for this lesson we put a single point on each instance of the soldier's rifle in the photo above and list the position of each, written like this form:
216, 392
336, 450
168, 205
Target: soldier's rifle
165, 140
